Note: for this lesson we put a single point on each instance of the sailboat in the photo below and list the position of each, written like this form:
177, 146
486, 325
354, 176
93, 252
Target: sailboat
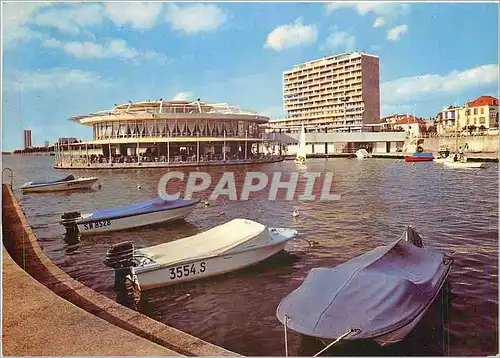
301, 150
459, 160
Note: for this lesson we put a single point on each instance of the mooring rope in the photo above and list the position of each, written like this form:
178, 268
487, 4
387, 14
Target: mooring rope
351, 330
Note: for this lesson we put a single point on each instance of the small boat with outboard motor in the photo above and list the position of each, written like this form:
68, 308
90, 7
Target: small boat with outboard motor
68, 183
461, 161
129, 216
380, 295
419, 157
362, 154
234, 245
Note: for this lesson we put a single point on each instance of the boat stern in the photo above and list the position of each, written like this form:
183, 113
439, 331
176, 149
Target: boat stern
282, 234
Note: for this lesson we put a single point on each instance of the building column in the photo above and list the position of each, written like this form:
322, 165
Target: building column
168, 150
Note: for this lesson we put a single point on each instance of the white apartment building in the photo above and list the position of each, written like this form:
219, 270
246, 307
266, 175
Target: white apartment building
340, 92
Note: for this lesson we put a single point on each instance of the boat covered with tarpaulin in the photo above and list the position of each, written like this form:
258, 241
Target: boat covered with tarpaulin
234, 245
129, 216
380, 295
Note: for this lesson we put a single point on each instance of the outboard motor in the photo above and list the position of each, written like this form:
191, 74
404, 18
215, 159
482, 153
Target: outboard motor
69, 221
413, 237
120, 257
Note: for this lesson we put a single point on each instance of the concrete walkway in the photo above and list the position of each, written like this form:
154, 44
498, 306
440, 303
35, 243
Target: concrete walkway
47, 312
37, 322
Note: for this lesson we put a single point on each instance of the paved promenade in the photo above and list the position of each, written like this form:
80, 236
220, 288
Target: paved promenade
37, 322
46, 312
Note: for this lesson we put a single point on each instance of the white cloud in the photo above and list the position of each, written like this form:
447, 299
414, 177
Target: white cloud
192, 19
429, 86
184, 96
389, 109
139, 15
395, 33
112, 48
291, 35
379, 22
72, 19
15, 16
56, 78
341, 40
384, 11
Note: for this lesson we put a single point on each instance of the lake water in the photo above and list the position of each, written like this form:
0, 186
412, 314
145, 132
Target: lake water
454, 210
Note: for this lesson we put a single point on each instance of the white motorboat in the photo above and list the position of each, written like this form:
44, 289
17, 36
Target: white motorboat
464, 164
394, 284
232, 246
362, 154
68, 183
301, 150
129, 216
461, 162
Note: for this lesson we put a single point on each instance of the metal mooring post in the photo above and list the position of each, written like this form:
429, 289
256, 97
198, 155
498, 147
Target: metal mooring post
11, 175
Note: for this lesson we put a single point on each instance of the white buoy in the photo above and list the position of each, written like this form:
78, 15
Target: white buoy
206, 203
139, 187
295, 213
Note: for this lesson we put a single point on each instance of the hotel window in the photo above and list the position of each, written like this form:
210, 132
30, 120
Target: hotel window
475, 110
482, 110
482, 120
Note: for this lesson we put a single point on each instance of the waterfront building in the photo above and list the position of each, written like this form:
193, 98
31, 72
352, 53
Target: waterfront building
479, 114
46, 144
411, 125
387, 122
67, 140
27, 139
165, 133
483, 111
341, 93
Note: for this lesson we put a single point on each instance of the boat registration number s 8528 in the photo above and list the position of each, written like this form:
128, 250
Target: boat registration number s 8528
187, 270
96, 224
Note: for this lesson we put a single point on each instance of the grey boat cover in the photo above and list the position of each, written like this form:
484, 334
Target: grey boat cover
144, 207
378, 292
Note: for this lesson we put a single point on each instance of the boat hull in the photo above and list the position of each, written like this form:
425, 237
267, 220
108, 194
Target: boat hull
418, 159
150, 278
466, 165
129, 222
82, 183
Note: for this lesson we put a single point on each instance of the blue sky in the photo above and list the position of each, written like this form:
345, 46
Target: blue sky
61, 60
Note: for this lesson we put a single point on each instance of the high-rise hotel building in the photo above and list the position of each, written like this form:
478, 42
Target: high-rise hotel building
27, 138
339, 92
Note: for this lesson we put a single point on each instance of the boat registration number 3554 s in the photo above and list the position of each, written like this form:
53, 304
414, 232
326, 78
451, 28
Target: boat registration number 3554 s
187, 270
96, 224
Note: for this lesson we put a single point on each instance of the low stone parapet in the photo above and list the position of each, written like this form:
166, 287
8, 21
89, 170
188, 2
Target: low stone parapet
22, 245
